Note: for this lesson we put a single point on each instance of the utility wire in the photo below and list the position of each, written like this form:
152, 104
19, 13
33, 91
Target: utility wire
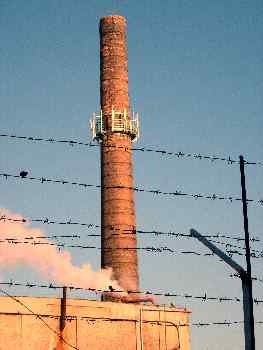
145, 149
40, 318
203, 297
176, 193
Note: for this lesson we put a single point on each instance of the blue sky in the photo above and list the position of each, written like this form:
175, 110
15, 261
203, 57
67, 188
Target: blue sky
195, 75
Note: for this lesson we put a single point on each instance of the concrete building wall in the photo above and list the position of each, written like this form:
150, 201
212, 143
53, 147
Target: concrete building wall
91, 325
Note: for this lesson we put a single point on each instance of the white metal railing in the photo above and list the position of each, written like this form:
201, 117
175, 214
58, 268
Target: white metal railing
116, 122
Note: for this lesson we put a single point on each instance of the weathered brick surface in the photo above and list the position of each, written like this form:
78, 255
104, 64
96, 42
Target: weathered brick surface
113, 64
117, 204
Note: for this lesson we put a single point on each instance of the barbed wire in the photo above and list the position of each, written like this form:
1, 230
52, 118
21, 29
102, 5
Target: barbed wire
41, 237
194, 324
48, 221
161, 249
229, 160
94, 319
13, 239
205, 297
41, 318
222, 323
79, 246
254, 278
70, 221
176, 193
226, 236
229, 245
16, 240
108, 319
159, 322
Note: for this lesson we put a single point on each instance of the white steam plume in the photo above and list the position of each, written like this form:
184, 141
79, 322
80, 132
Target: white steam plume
47, 260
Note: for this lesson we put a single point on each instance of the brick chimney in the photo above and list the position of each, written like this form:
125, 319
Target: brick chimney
115, 129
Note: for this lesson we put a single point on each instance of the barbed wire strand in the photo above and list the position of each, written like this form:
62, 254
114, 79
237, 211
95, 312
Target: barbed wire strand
254, 278
14, 239
229, 245
71, 221
229, 160
159, 322
161, 249
198, 324
203, 297
176, 193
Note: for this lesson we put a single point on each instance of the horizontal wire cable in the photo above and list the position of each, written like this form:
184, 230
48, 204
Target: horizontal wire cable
223, 323
40, 318
159, 322
203, 297
254, 278
79, 246
13, 239
40, 237
161, 249
70, 221
229, 245
16, 240
228, 160
46, 237
94, 319
145, 149
176, 193
48, 221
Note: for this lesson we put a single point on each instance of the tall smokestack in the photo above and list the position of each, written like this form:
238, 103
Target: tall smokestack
115, 128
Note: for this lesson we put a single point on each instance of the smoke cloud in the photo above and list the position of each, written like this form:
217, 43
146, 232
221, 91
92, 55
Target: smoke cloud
48, 261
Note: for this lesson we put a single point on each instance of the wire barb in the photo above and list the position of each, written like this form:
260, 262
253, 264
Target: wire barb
212, 158
213, 197
203, 297
156, 233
